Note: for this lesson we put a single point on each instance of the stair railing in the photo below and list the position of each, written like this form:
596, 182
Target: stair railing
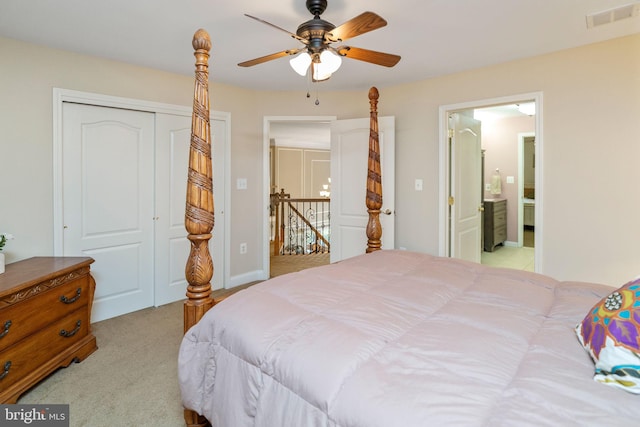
302, 225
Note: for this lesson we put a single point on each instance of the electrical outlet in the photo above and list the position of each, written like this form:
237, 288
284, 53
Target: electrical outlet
243, 248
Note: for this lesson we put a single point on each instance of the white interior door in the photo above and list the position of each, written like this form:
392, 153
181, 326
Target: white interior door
173, 137
349, 154
218, 247
108, 202
466, 192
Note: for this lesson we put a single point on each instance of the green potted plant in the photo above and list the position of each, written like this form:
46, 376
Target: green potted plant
4, 237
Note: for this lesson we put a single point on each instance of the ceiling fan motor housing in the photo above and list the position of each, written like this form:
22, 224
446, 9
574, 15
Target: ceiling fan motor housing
314, 29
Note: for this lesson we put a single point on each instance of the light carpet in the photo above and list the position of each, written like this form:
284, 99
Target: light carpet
131, 380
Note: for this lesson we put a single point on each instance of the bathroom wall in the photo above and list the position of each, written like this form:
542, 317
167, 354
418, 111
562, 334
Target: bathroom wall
500, 142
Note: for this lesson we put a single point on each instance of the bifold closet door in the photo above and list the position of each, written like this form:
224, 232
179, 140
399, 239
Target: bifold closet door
173, 138
108, 202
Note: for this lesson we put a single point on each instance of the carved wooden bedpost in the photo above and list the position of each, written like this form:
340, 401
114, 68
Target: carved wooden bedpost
374, 178
199, 208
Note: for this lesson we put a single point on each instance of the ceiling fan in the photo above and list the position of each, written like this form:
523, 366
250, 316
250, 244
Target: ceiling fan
318, 36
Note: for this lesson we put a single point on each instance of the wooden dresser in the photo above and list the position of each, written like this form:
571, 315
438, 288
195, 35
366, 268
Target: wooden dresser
45, 320
495, 223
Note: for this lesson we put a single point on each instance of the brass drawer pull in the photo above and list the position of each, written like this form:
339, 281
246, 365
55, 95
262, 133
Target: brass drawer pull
73, 299
7, 366
7, 325
69, 334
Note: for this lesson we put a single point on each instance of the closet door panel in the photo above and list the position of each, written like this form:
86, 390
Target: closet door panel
173, 137
173, 134
108, 202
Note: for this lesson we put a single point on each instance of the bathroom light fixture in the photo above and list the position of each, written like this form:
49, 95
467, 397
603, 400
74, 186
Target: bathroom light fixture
528, 108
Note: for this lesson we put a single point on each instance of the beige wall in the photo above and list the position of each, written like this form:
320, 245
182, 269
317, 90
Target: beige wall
301, 172
591, 102
28, 74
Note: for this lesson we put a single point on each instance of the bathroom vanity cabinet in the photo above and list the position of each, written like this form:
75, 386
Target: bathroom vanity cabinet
495, 223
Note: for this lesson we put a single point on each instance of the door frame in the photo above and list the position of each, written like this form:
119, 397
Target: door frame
266, 178
444, 112
61, 96
521, 139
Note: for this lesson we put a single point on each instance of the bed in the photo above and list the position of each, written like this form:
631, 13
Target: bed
398, 338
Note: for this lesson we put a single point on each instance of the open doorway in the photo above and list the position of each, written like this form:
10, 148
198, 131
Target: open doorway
527, 188
349, 217
296, 149
500, 191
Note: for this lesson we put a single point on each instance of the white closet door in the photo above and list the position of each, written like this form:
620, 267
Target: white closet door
108, 213
220, 131
173, 135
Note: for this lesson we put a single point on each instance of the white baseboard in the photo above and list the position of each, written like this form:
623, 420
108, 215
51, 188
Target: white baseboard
242, 279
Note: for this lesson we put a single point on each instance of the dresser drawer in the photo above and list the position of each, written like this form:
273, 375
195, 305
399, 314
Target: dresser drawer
36, 312
25, 356
499, 234
500, 207
45, 315
500, 219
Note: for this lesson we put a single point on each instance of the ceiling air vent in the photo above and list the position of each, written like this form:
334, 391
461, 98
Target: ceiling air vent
613, 15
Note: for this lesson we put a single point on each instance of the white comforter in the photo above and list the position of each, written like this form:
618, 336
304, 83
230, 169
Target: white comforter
396, 338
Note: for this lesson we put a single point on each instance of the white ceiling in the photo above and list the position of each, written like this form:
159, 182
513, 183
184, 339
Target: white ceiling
434, 37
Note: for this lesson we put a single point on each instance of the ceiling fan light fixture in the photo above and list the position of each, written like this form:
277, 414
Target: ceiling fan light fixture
319, 73
318, 59
330, 60
325, 65
301, 63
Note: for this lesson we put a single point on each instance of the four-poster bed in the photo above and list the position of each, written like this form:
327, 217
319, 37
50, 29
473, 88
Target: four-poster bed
392, 338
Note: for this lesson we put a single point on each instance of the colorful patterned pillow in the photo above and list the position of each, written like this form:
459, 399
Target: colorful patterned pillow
611, 334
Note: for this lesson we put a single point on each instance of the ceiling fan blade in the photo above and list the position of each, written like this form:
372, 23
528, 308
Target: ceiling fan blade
378, 58
295, 36
267, 58
363, 23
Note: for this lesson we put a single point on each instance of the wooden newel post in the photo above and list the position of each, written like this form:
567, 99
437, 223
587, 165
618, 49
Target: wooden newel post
199, 217
374, 178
